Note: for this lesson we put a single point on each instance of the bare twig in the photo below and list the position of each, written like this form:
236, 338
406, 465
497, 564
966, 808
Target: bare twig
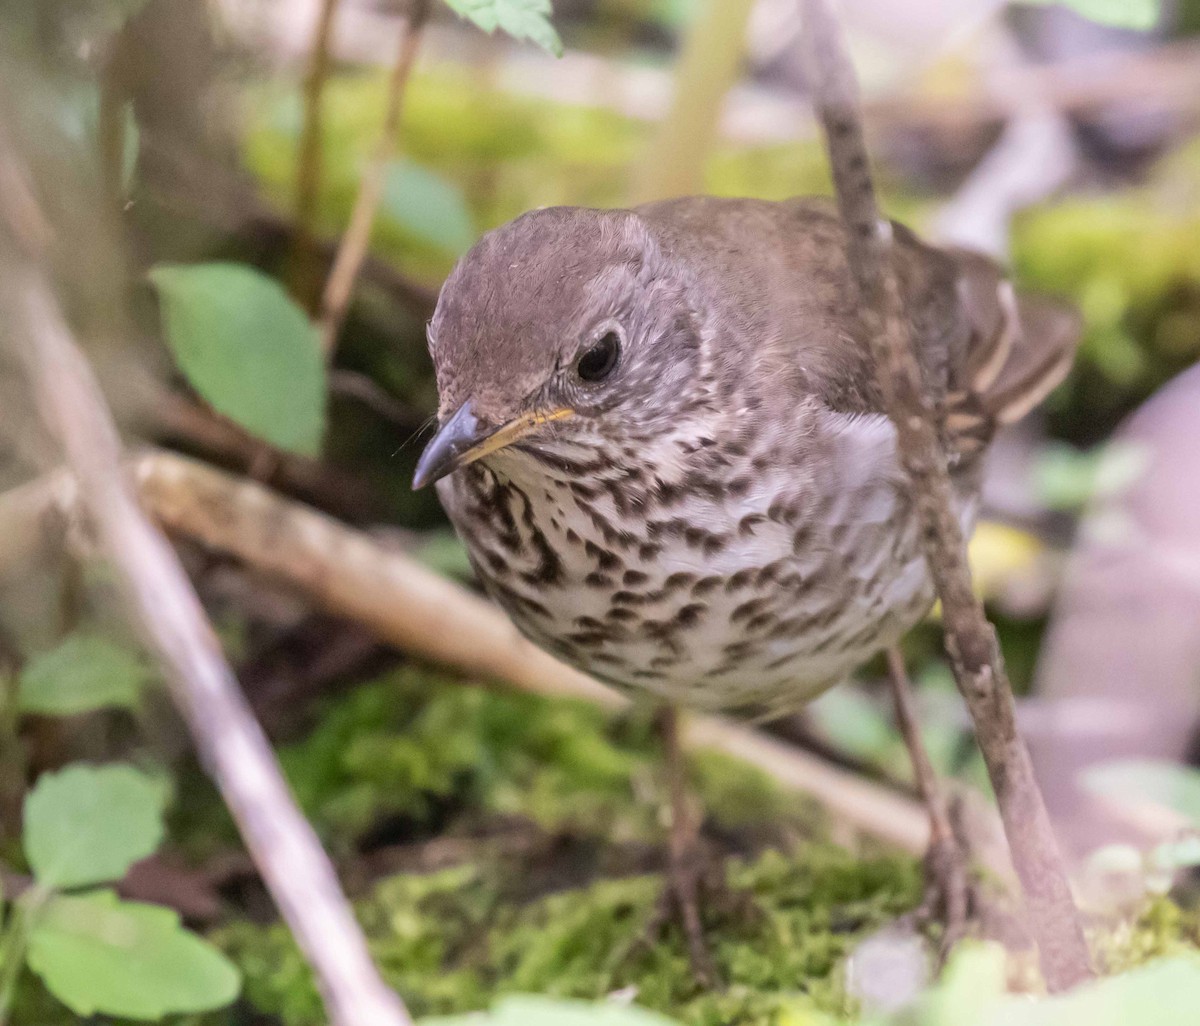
353, 248
946, 861
928, 785
970, 640
183, 421
232, 746
310, 158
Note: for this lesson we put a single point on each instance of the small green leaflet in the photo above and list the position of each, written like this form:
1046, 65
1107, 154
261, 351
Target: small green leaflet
521, 19
98, 954
247, 349
87, 825
84, 673
1142, 15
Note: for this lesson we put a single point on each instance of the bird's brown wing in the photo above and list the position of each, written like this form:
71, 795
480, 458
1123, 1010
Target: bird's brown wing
1019, 349
779, 272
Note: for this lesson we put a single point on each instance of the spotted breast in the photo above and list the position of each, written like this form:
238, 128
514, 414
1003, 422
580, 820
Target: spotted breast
662, 440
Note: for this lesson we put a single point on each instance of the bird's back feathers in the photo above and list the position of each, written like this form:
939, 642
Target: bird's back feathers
779, 269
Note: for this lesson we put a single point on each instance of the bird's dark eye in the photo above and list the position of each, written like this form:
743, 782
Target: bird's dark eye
598, 362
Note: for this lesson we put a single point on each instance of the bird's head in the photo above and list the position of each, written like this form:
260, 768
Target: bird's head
565, 328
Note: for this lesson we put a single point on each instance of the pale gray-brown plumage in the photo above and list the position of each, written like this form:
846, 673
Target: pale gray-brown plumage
670, 462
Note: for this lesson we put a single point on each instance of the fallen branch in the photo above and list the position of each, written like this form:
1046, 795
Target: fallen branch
352, 250
970, 639
162, 602
350, 574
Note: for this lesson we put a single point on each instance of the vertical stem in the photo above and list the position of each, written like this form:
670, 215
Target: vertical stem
305, 275
970, 639
707, 68
111, 131
11, 958
352, 250
12, 769
12, 946
928, 786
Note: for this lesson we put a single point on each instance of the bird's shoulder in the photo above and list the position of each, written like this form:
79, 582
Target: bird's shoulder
777, 276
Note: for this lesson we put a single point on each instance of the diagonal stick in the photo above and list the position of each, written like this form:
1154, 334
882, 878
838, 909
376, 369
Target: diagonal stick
970, 639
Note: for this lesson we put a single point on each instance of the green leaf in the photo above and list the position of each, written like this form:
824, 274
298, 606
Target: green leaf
98, 954
427, 207
1165, 993
247, 349
1131, 14
84, 673
525, 1010
972, 982
521, 19
1147, 782
86, 825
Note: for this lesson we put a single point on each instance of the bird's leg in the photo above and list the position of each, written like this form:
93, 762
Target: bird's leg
948, 888
680, 899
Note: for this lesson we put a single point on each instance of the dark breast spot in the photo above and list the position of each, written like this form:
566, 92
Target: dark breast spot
605, 560
746, 525
748, 609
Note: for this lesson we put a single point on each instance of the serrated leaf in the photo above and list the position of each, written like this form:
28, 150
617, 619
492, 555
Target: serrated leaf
247, 349
530, 1010
86, 825
521, 19
1131, 14
84, 673
427, 207
97, 954
1146, 782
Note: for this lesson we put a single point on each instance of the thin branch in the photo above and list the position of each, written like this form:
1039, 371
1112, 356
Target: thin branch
928, 785
353, 248
309, 160
970, 640
162, 602
947, 861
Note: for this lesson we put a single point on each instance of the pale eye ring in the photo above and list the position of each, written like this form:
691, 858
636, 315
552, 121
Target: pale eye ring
600, 359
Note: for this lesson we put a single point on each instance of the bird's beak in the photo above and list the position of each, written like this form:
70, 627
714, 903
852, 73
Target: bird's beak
464, 439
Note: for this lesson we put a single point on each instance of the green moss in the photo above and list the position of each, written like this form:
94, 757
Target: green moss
551, 812
544, 817
1162, 928
425, 751
453, 940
